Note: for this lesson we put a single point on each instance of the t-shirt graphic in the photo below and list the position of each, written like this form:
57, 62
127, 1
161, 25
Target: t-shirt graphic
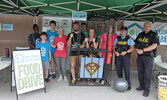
45, 47
52, 39
43, 51
60, 46
51, 36
37, 40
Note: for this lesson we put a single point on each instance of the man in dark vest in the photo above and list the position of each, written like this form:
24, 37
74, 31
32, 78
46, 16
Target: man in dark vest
145, 45
124, 45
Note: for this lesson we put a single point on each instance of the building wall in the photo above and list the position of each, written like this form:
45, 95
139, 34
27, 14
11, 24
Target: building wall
22, 27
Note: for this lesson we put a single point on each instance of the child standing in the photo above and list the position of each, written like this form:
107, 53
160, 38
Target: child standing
45, 54
51, 36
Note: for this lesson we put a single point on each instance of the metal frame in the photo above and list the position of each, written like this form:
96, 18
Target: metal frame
106, 72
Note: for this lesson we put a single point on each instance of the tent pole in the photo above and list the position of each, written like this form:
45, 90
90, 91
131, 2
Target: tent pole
144, 10
113, 56
14, 5
78, 4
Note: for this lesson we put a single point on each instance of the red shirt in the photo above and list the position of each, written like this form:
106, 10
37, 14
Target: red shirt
61, 46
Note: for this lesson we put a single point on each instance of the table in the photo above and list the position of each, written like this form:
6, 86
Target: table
3, 66
162, 65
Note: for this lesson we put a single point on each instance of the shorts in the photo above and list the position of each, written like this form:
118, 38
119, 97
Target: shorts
73, 59
45, 64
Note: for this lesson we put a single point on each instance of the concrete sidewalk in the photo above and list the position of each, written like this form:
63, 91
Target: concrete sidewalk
62, 91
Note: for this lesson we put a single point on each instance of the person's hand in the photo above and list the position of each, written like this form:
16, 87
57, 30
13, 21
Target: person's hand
139, 51
93, 40
71, 35
53, 46
117, 54
86, 39
87, 45
100, 54
49, 59
123, 53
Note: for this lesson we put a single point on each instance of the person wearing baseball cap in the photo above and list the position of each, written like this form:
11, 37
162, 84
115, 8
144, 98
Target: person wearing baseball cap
75, 39
124, 45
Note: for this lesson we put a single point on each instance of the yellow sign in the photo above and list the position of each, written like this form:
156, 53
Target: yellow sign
162, 94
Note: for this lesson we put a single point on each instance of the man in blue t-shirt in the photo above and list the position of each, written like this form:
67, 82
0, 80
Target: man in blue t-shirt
45, 48
51, 34
34, 38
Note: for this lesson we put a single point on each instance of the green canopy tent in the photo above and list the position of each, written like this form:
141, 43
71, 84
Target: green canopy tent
139, 10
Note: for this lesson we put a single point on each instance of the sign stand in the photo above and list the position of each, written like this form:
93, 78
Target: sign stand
28, 71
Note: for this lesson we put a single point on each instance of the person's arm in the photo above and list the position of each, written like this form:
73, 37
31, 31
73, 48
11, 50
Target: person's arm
30, 41
49, 56
131, 43
69, 39
95, 44
30, 44
83, 44
128, 51
115, 43
86, 43
116, 53
149, 48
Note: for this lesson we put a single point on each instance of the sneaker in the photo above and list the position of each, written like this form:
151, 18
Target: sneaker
97, 80
102, 82
78, 79
54, 76
73, 82
49, 76
65, 79
47, 80
60, 79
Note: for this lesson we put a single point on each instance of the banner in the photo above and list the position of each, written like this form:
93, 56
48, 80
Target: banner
79, 16
28, 70
91, 67
135, 27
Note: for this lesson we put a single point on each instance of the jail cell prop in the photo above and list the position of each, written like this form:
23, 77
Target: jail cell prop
90, 67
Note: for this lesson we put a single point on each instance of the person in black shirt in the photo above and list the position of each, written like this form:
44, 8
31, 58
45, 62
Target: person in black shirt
145, 45
75, 40
34, 38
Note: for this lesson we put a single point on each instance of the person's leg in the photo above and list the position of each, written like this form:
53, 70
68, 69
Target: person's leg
118, 64
72, 61
46, 73
54, 66
148, 63
46, 67
126, 64
63, 66
58, 64
50, 69
140, 69
79, 65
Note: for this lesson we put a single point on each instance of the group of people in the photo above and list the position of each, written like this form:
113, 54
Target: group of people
53, 45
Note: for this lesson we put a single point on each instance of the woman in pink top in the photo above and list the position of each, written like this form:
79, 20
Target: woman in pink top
111, 39
60, 43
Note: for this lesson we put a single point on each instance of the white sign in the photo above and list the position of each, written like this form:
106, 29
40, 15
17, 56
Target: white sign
135, 27
79, 16
7, 27
28, 70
